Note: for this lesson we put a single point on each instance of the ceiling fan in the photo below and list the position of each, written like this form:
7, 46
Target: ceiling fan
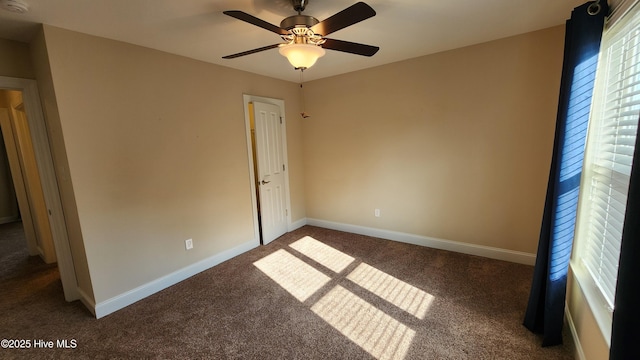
304, 35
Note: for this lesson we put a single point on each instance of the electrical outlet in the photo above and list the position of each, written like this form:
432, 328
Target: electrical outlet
376, 212
188, 244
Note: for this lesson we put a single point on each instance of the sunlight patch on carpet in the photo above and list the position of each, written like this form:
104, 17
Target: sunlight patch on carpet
294, 275
397, 292
370, 328
331, 258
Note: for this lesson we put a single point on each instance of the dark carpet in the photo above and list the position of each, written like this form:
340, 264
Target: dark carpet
331, 295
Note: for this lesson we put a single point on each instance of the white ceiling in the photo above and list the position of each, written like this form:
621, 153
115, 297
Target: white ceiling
197, 29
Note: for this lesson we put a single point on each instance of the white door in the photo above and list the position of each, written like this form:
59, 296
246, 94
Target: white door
32, 182
270, 176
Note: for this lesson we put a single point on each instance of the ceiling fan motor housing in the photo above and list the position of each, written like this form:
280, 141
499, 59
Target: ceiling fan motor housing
298, 20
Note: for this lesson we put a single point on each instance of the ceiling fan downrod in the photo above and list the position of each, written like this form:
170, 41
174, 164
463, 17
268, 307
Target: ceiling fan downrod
299, 5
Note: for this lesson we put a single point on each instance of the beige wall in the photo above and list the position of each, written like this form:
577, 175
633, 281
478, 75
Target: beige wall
15, 60
157, 154
150, 149
455, 145
40, 59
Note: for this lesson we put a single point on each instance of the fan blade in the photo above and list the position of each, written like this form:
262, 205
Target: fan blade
241, 15
347, 17
350, 47
248, 52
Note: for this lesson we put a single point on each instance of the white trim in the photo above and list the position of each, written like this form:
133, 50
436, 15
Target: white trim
465, 248
44, 160
123, 300
574, 333
19, 183
246, 99
254, 199
88, 301
596, 303
298, 224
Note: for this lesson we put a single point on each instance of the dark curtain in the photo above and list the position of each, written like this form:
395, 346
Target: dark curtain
625, 333
545, 310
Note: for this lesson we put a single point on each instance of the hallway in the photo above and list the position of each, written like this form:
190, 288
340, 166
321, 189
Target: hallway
16, 266
31, 290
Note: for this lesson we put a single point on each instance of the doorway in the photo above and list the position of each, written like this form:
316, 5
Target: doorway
52, 206
268, 166
25, 181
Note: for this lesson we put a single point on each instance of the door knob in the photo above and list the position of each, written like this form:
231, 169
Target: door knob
265, 182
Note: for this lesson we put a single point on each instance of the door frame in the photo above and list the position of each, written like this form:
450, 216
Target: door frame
246, 99
19, 183
48, 180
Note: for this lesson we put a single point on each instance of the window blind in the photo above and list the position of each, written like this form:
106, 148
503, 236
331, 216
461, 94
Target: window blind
613, 129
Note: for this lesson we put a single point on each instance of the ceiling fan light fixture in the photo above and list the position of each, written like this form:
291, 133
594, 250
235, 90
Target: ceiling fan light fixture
302, 56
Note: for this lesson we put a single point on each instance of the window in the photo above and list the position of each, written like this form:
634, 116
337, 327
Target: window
613, 126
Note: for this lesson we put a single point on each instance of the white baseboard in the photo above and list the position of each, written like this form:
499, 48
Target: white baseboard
574, 334
465, 248
118, 302
87, 301
298, 224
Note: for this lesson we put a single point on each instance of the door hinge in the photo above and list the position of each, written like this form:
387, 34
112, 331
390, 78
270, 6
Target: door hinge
280, 119
283, 169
